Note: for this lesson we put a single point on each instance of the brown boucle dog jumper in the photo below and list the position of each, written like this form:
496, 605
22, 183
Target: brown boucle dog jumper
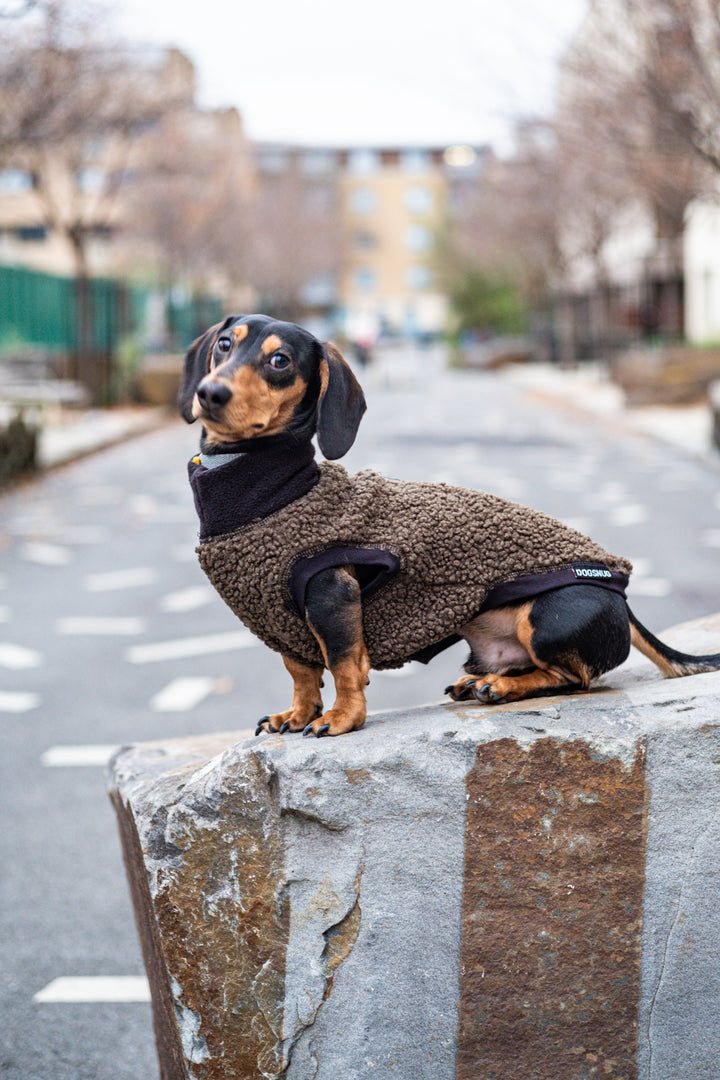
429, 556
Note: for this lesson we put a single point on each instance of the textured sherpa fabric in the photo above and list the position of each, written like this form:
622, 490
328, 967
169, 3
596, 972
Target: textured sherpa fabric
453, 545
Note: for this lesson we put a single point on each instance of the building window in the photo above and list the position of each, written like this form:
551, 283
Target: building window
363, 200
365, 241
29, 234
414, 161
418, 277
272, 160
15, 181
418, 239
318, 162
363, 161
418, 199
90, 181
364, 279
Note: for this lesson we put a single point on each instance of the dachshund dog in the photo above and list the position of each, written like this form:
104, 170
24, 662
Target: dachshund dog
262, 389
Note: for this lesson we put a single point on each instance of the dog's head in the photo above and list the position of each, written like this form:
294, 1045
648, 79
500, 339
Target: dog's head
251, 377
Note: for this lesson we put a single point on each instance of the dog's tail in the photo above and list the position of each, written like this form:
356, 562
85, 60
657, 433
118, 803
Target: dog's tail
671, 662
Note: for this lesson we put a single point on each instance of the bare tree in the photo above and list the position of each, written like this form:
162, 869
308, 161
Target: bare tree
509, 224
72, 105
190, 198
634, 92
295, 237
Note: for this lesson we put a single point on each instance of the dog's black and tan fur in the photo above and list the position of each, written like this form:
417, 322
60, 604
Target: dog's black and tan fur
253, 381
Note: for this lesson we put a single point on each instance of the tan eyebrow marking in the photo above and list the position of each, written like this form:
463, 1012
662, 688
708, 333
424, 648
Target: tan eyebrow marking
240, 332
270, 345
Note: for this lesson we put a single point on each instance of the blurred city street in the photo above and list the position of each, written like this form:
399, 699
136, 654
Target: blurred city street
110, 634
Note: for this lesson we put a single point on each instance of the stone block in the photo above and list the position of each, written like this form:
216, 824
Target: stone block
454, 893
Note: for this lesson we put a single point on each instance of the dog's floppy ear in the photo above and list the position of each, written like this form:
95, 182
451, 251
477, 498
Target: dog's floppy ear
340, 406
196, 367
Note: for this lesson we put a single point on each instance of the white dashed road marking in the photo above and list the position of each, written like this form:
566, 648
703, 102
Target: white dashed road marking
45, 554
649, 586
710, 538
630, 514
18, 657
182, 694
94, 988
187, 599
18, 701
92, 624
60, 757
197, 646
120, 579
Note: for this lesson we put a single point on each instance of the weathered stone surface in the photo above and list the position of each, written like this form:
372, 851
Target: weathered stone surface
450, 894
554, 856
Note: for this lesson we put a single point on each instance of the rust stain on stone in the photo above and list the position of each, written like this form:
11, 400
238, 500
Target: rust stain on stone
357, 776
552, 909
224, 930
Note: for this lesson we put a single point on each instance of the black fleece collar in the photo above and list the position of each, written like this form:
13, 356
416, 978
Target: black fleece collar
249, 487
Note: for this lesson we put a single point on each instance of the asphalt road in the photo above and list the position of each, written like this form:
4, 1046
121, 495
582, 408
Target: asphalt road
109, 634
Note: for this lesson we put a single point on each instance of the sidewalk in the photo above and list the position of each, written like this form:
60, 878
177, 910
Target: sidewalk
588, 389
83, 432
585, 389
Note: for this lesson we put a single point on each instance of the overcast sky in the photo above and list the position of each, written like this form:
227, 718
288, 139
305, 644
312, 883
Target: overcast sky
373, 72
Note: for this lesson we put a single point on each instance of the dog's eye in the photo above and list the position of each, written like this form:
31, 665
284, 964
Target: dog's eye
223, 345
279, 361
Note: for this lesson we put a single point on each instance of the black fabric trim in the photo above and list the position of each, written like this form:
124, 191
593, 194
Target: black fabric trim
232, 496
374, 566
522, 588
529, 585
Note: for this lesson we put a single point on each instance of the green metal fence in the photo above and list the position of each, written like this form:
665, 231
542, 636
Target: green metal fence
81, 325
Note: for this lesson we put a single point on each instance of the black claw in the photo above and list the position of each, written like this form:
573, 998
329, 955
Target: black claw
308, 730
466, 691
323, 730
285, 726
260, 727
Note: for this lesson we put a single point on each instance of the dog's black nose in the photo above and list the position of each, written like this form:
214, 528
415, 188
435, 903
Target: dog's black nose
213, 394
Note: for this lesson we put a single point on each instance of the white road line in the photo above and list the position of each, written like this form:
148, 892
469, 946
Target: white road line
120, 579
630, 514
100, 495
94, 988
18, 701
184, 553
187, 599
196, 646
649, 586
45, 554
710, 538
18, 657
182, 694
581, 524
60, 757
99, 624
84, 534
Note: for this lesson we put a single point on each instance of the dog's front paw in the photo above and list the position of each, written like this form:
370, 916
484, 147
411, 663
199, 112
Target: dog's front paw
292, 720
462, 690
335, 722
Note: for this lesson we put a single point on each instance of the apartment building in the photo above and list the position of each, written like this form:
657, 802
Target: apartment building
388, 205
